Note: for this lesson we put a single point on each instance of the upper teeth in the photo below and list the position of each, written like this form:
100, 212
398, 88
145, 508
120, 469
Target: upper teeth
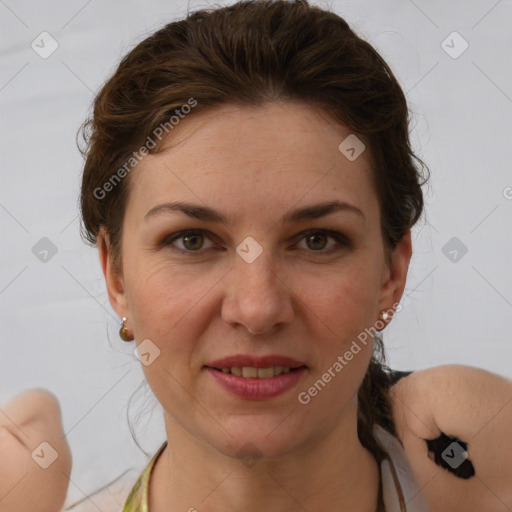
256, 373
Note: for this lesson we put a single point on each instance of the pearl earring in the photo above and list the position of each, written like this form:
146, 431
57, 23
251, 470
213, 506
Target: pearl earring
384, 315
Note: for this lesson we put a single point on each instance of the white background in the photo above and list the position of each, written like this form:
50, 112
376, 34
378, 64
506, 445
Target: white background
58, 330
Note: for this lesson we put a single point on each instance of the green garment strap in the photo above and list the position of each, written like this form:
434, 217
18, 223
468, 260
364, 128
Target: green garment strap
137, 500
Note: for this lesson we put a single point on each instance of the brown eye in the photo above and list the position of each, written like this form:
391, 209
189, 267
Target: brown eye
316, 241
192, 241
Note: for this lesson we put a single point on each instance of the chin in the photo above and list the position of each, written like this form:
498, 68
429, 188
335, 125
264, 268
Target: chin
259, 439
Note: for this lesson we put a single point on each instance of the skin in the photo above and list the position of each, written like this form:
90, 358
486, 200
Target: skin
29, 419
254, 165
473, 405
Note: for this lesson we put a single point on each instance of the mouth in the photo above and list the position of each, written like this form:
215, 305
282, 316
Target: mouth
259, 387
256, 366
257, 377
251, 372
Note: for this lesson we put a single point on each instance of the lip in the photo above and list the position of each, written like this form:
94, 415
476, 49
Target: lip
248, 360
257, 389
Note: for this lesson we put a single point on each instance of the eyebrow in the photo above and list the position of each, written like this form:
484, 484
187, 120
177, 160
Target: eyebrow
206, 213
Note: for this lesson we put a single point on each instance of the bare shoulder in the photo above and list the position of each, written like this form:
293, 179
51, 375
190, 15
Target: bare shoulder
455, 423
35, 456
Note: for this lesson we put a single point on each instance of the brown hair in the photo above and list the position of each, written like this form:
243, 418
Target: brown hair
253, 53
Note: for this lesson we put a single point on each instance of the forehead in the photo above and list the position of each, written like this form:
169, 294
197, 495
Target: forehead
280, 153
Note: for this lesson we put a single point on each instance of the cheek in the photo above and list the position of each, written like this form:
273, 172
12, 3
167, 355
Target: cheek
342, 312
355, 302
341, 307
163, 303
167, 305
344, 300
160, 296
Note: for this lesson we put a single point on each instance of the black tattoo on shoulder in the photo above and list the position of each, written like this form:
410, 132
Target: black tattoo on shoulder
450, 453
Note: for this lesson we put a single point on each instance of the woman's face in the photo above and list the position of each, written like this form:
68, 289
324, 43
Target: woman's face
266, 281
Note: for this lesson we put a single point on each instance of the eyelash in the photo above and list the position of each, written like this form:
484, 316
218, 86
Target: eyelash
341, 240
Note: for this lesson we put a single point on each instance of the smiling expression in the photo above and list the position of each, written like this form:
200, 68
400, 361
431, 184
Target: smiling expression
269, 181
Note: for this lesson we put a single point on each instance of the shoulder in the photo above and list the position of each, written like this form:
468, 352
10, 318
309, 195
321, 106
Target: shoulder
36, 458
471, 407
457, 396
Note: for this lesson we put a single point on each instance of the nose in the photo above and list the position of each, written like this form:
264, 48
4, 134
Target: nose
258, 296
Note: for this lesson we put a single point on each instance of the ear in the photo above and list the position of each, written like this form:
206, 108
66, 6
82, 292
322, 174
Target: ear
396, 274
113, 278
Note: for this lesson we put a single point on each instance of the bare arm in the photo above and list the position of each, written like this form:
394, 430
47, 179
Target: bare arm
472, 405
35, 461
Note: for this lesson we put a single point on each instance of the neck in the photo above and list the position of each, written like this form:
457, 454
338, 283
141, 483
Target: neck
336, 473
